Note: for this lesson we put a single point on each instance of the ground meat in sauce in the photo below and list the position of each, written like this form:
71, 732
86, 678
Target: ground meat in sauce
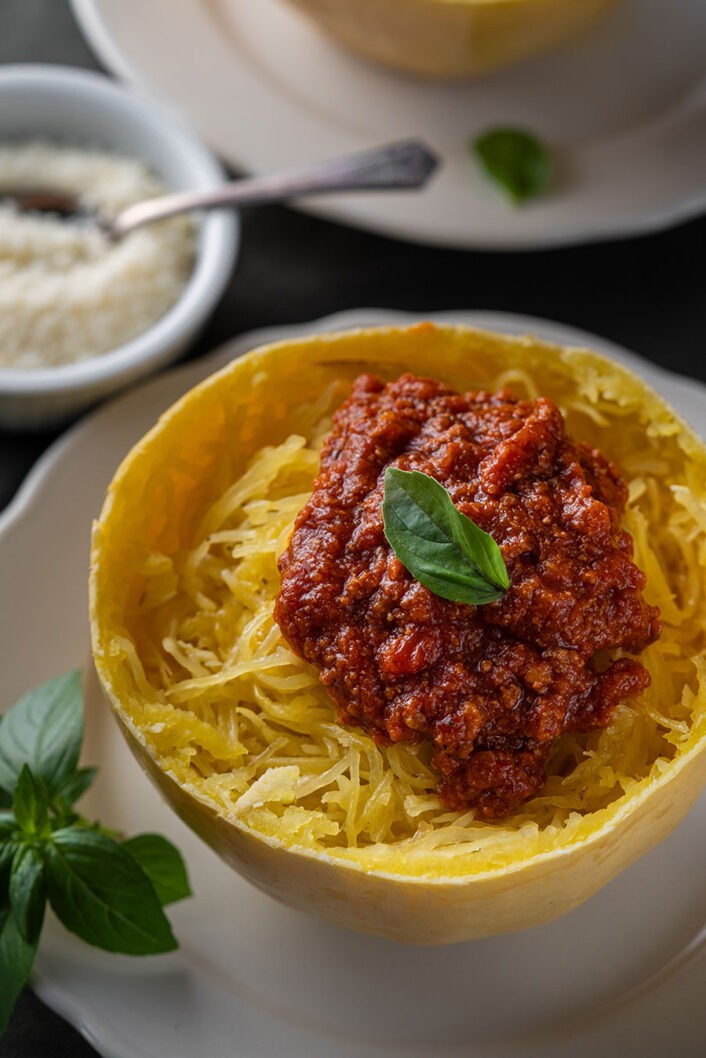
491, 687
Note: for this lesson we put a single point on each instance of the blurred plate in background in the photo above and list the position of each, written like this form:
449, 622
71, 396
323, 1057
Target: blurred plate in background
624, 109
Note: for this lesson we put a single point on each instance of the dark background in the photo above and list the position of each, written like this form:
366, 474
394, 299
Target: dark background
645, 293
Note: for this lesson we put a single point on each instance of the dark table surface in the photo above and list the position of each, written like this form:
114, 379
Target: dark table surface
645, 293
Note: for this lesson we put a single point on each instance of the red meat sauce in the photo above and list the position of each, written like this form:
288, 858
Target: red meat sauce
490, 687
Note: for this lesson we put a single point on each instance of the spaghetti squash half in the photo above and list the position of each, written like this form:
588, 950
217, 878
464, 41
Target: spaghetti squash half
238, 732
451, 38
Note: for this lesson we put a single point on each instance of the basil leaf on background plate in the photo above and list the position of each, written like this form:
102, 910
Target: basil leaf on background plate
516, 160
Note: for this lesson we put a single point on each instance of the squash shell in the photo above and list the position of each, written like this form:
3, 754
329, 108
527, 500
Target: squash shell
451, 38
258, 400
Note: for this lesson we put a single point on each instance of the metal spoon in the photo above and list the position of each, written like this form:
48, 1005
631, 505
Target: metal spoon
405, 164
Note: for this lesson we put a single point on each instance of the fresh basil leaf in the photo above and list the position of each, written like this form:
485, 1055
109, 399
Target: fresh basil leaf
100, 893
443, 571
28, 892
516, 160
45, 730
441, 547
29, 803
480, 549
8, 825
74, 786
8, 849
16, 958
5, 799
162, 864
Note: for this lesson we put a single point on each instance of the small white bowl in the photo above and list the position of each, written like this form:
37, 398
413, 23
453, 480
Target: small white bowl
80, 107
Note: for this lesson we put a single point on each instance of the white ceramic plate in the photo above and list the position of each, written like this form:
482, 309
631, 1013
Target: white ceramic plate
624, 108
622, 975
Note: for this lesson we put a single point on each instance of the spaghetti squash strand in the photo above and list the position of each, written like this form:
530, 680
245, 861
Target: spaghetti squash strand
212, 650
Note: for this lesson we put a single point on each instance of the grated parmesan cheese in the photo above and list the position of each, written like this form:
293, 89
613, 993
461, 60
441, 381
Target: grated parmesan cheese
66, 292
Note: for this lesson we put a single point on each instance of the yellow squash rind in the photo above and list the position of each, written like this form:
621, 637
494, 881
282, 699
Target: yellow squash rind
451, 38
155, 501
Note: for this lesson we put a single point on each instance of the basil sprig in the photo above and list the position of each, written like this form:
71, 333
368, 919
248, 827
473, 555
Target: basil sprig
516, 160
108, 891
441, 547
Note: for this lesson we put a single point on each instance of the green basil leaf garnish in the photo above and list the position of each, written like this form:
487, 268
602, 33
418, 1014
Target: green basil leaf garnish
516, 160
109, 894
29, 803
44, 729
8, 825
441, 547
27, 892
162, 864
74, 786
16, 958
8, 848
99, 892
